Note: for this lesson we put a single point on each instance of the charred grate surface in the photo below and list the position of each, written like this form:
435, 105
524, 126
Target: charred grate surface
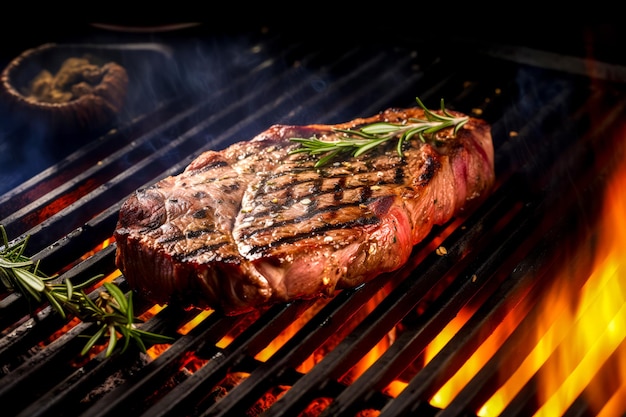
554, 133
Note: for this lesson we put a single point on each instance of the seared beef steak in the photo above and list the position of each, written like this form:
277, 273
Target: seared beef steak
256, 224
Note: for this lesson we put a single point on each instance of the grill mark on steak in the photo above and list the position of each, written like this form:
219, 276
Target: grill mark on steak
431, 169
310, 214
338, 189
399, 177
200, 214
252, 224
363, 197
182, 257
365, 194
255, 250
188, 235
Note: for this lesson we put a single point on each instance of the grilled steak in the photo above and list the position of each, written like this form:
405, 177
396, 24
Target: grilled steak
255, 224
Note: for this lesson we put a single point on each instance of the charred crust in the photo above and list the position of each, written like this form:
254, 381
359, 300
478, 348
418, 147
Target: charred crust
192, 256
430, 168
338, 188
399, 176
333, 210
171, 239
230, 188
365, 193
200, 214
359, 222
197, 233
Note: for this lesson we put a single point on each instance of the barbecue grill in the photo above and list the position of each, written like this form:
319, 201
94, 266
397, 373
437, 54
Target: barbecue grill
483, 320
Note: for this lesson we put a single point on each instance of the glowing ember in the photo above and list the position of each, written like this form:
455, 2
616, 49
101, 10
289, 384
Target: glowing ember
395, 388
99, 247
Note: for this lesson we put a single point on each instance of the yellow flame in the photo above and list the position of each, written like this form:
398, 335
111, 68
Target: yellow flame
394, 388
452, 387
447, 392
369, 358
289, 332
577, 330
579, 338
600, 318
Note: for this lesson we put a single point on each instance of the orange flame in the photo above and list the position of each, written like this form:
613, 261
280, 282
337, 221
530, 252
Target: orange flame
577, 330
579, 338
599, 321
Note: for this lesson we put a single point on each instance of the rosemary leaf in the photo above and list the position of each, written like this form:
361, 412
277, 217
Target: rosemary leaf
117, 295
127, 336
371, 145
139, 341
4, 263
29, 280
93, 340
56, 304
69, 288
112, 311
112, 340
365, 138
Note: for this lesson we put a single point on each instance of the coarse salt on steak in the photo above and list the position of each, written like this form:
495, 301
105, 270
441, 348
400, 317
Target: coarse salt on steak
255, 224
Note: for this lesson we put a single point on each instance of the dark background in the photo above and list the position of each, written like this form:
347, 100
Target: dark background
601, 40
452, 33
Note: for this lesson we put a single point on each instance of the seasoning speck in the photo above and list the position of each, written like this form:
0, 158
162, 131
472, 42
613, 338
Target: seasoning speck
441, 251
306, 201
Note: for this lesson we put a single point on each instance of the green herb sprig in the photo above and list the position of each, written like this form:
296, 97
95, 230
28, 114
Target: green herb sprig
111, 310
361, 140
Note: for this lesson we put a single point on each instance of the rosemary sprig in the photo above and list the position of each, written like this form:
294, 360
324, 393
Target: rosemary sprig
361, 140
112, 310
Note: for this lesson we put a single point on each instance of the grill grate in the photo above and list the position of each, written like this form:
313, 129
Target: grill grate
501, 257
